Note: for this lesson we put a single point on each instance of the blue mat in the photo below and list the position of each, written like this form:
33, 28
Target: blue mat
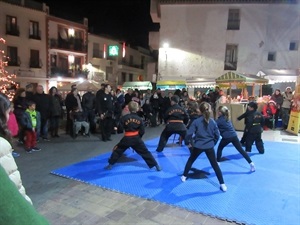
271, 195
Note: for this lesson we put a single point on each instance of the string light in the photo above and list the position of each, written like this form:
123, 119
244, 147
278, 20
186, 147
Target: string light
7, 85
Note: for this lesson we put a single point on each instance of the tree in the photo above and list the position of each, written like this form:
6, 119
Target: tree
7, 85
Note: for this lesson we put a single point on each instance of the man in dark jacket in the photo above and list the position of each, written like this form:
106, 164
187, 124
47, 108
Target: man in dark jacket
89, 107
177, 118
43, 105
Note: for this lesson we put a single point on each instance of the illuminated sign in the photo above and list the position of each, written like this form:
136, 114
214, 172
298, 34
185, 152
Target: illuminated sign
113, 50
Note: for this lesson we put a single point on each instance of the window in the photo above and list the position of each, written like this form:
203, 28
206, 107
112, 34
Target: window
131, 60
12, 53
96, 50
233, 19
123, 77
34, 31
11, 26
130, 77
34, 59
142, 62
272, 56
231, 57
294, 45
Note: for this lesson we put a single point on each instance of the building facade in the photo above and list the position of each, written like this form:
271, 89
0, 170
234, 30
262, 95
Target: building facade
23, 26
207, 38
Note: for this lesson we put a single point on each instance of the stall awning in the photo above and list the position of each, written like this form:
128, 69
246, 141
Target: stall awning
171, 84
235, 78
200, 83
140, 85
279, 76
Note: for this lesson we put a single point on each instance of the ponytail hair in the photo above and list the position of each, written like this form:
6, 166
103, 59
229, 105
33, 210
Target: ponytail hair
224, 111
205, 111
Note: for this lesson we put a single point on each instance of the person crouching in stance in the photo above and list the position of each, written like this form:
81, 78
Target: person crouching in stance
134, 128
205, 134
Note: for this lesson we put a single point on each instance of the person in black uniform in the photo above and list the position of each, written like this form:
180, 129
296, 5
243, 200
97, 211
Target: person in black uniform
177, 118
254, 128
134, 128
106, 112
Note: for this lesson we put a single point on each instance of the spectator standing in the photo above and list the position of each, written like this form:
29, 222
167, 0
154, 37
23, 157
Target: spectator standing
286, 106
72, 100
89, 108
278, 98
56, 110
42, 102
32, 123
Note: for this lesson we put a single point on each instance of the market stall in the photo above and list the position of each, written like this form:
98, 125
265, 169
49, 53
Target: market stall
236, 80
171, 84
140, 85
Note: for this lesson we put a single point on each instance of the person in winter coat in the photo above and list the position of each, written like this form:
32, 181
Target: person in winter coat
7, 160
269, 111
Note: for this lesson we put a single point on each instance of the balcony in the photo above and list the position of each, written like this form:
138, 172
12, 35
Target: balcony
14, 62
63, 72
230, 65
35, 35
12, 30
71, 44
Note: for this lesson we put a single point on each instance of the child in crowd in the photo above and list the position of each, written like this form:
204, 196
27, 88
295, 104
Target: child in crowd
13, 126
269, 111
80, 120
205, 134
31, 122
229, 135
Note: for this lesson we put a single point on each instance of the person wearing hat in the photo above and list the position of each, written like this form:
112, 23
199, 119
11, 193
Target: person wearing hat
254, 128
269, 110
176, 119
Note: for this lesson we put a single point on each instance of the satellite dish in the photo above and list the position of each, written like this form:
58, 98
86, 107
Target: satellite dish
63, 34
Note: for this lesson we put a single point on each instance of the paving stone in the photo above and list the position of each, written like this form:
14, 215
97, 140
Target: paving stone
116, 215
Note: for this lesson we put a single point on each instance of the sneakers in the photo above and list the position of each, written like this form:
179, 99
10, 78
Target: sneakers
252, 167
36, 149
28, 150
15, 154
223, 187
183, 178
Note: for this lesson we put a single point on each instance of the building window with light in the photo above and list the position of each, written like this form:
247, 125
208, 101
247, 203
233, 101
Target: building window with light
34, 32
233, 22
272, 56
231, 57
12, 26
12, 54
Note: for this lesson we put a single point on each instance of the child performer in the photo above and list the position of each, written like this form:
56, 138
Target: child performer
206, 135
229, 135
134, 128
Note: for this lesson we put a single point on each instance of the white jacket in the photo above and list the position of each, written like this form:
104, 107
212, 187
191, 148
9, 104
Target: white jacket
7, 161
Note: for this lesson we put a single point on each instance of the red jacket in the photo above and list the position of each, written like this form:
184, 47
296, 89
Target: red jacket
12, 124
269, 109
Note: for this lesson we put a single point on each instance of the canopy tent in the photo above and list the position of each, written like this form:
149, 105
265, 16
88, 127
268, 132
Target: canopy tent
240, 80
279, 76
140, 85
83, 85
200, 83
171, 84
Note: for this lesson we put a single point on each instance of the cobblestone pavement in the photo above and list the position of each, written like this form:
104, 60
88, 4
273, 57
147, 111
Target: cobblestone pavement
67, 202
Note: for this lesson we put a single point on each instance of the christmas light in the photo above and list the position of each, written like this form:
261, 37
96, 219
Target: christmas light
7, 85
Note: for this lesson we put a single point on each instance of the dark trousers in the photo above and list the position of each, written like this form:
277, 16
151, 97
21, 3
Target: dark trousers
54, 125
255, 137
210, 153
106, 127
137, 144
243, 139
164, 137
236, 143
90, 114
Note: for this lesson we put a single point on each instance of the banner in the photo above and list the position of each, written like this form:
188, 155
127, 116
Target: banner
294, 123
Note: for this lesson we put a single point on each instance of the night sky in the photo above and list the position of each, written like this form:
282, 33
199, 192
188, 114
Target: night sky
127, 20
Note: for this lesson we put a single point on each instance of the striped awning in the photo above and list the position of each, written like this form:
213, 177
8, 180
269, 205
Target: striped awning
236, 78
